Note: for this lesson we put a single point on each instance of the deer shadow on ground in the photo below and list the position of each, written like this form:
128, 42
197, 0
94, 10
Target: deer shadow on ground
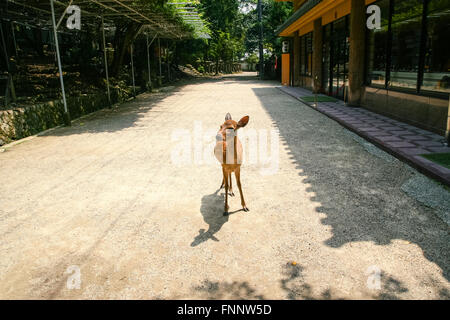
212, 212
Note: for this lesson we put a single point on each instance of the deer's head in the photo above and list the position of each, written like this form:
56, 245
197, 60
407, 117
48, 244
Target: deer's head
230, 127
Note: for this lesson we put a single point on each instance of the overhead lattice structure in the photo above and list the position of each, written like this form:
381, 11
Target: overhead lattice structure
187, 9
176, 20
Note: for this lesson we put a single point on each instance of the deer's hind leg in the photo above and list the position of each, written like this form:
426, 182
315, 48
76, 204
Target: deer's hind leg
238, 181
230, 185
225, 179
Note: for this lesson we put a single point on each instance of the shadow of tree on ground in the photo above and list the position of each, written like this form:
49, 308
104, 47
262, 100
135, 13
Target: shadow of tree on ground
359, 193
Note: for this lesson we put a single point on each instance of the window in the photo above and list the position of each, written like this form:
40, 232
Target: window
436, 75
308, 54
302, 55
306, 49
406, 38
377, 42
326, 56
335, 57
411, 50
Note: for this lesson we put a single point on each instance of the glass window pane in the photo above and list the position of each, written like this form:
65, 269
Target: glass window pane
308, 62
376, 48
437, 57
406, 30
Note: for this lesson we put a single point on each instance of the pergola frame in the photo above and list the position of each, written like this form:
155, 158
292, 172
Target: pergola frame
156, 25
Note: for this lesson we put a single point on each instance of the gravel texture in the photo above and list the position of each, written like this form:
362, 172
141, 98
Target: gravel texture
104, 195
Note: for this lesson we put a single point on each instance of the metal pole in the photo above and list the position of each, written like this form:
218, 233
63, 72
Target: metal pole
132, 71
64, 13
159, 55
148, 64
55, 35
148, 61
14, 38
51, 38
261, 48
5, 52
10, 83
106, 60
168, 63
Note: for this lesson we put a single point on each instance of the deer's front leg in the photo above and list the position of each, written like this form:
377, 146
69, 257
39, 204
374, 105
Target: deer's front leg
225, 179
238, 181
230, 185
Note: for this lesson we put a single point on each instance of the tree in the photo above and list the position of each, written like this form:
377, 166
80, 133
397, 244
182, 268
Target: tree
274, 14
124, 36
227, 32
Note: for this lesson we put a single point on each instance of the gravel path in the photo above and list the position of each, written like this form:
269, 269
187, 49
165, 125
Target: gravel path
113, 196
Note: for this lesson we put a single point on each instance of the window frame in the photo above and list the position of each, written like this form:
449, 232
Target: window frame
421, 63
304, 70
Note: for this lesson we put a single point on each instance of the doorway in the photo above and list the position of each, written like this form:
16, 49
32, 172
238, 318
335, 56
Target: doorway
335, 58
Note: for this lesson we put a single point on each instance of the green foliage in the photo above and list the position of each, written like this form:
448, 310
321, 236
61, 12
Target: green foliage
225, 21
252, 58
201, 69
274, 14
234, 30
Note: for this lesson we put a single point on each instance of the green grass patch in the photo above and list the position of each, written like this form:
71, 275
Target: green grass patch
442, 159
319, 99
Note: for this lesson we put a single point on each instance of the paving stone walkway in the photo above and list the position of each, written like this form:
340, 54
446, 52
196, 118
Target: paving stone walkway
402, 140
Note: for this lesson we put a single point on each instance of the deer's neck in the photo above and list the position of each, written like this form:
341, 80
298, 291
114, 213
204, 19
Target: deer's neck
229, 142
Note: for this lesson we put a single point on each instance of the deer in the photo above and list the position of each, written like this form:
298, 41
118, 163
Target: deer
228, 151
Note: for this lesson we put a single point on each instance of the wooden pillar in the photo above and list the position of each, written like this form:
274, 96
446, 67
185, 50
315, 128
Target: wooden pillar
317, 56
285, 69
357, 46
296, 62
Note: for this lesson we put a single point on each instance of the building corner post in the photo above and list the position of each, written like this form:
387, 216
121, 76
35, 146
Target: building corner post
317, 56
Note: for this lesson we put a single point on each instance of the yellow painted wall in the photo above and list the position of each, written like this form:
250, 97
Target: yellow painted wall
285, 68
338, 12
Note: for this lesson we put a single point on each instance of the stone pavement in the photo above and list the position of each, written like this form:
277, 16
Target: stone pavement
108, 196
402, 140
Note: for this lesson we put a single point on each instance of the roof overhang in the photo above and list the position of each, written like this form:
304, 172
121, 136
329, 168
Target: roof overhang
283, 30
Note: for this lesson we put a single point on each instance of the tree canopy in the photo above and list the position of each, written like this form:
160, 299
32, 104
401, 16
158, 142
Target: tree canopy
234, 26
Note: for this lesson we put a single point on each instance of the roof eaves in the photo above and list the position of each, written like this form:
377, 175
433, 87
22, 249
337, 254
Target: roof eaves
297, 15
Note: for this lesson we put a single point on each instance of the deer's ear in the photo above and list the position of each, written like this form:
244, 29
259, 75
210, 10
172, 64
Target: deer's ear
228, 117
243, 122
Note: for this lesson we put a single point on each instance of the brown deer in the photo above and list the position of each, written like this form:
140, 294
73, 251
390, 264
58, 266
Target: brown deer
228, 151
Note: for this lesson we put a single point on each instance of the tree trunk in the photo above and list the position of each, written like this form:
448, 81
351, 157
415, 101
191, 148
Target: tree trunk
123, 38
